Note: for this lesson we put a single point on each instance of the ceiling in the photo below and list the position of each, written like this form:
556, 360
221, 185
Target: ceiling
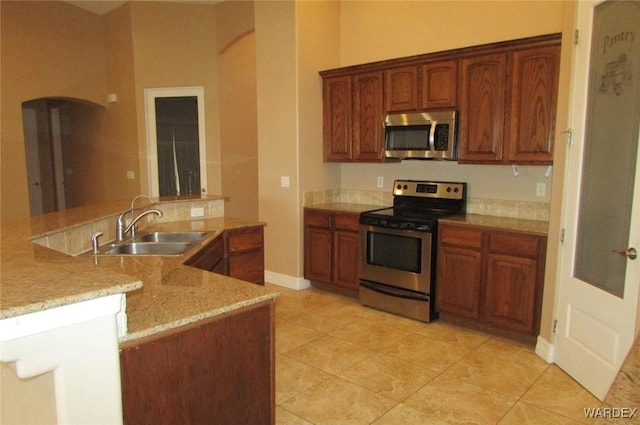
101, 7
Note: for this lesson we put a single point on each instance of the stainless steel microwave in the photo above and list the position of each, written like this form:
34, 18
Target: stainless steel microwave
421, 135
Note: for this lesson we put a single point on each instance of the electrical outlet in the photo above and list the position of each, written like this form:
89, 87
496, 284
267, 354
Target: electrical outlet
284, 181
380, 181
131, 175
197, 212
541, 189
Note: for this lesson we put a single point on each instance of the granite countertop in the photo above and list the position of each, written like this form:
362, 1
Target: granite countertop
174, 294
494, 222
506, 223
345, 207
36, 278
162, 292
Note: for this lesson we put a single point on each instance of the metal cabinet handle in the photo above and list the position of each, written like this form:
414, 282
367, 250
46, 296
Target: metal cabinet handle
630, 253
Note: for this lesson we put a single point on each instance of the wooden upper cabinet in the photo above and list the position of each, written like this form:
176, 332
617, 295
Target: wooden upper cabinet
353, 112
534, 91
337, 110
439, 85
506, 94
367, 136
401, 89
432, 85
482, 107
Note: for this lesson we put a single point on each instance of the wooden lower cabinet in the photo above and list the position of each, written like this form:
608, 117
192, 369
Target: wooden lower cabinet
245, 252
491, 276
211, 258
332, 250
237, 253
219, 372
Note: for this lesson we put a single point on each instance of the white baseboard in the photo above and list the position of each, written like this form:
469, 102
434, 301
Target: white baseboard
545, 349
296, 283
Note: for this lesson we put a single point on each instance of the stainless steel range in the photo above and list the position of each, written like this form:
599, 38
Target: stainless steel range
398, 247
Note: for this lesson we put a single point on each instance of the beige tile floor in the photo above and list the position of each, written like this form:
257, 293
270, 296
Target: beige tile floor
340, 363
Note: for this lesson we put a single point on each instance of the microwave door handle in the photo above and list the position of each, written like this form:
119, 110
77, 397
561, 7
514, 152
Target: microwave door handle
432, 137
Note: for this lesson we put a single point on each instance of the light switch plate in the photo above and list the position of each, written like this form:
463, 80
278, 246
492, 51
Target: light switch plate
284, 181
197, 212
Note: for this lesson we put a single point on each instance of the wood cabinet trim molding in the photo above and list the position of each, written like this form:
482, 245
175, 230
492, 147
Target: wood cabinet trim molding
501, 46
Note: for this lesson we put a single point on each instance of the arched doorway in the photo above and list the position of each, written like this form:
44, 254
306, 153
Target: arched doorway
60, 136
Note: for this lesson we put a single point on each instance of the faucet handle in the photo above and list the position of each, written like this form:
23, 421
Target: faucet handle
95, 242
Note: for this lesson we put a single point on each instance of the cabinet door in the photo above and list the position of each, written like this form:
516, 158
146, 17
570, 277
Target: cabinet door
248, 266
401, 89
346, 259
458, 281
317, 246
368, 116
245, 252
534, 91
511, 292
210, 257
482, 108
337, 109
439, 85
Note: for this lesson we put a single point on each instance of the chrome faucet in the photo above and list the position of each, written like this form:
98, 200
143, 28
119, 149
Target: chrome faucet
122, 228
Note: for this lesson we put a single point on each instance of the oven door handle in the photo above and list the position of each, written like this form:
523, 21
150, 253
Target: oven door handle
394, 292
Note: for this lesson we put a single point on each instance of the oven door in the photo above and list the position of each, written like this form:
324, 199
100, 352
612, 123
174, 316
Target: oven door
396, 257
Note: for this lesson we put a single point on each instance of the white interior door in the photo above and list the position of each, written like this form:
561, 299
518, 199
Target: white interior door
597, 319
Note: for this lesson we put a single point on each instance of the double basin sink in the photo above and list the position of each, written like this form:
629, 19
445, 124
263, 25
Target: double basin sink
154, 243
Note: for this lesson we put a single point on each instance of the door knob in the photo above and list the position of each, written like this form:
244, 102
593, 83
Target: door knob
630, 253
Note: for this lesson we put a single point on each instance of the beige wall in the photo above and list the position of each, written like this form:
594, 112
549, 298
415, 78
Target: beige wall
77, 54
49, 49
238, 128
119, 124
174, 45
379, 30
19, 396
278, 143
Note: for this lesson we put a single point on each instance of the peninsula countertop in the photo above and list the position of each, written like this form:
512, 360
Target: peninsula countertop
162, 292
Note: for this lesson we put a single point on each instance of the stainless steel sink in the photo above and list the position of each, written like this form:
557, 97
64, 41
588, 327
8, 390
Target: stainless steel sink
149, 248
171, 237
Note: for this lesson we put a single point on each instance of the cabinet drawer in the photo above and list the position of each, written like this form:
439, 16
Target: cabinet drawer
461, 235
245, 239
317, 219
347, 222
513, 243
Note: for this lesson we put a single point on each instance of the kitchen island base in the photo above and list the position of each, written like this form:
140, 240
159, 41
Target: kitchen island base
220, 371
